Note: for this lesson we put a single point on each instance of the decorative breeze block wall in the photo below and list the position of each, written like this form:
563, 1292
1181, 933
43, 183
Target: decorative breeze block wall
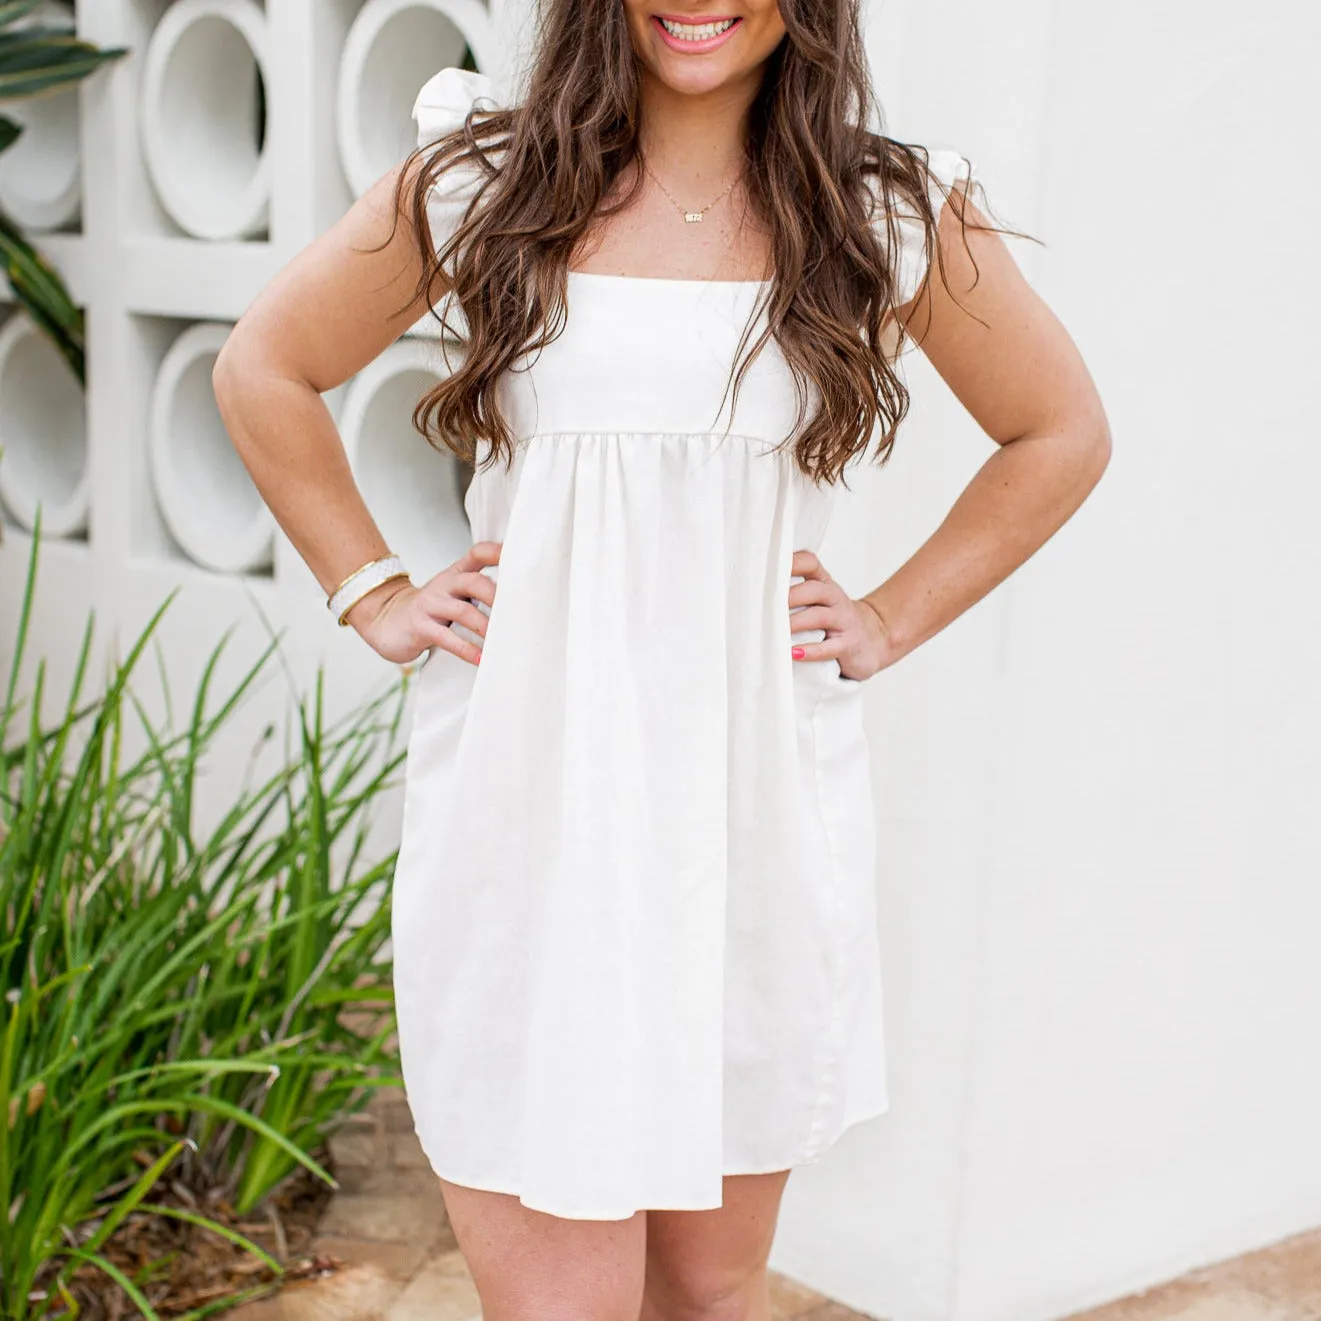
168, 189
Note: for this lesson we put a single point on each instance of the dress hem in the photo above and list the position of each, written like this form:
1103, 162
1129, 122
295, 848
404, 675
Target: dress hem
508, 1190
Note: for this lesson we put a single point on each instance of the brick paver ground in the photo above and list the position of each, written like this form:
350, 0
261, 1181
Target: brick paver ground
387, 1226
1278, 1283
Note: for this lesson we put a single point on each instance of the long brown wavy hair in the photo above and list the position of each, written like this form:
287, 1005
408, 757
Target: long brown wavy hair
815, 177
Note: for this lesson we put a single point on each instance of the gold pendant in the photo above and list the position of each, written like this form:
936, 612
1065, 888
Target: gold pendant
692, 216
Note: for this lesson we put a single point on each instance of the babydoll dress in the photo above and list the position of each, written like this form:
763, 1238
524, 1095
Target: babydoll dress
634, 919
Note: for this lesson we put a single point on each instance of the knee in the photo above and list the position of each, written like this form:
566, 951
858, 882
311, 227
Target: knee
687, 1295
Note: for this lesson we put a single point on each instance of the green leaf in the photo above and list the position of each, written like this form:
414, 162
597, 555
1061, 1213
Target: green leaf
227, 1111
9, 131
12, 10
223, 1304
133, 1197
39, 289
231, 1235
38, 60
109, 1268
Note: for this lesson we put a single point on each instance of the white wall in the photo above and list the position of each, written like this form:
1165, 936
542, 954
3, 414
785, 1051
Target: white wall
1101, 787
1098, 790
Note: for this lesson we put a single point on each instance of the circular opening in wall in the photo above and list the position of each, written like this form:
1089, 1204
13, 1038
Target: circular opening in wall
204, 493
204, 117
412, 489
40, 183
43, 433
393, 47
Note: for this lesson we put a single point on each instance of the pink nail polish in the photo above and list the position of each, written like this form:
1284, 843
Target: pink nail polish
798, 653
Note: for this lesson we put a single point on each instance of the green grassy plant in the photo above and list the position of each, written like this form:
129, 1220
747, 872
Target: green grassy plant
207, 1004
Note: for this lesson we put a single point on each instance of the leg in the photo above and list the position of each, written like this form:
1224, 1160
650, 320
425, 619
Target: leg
711, 1265
526, 1264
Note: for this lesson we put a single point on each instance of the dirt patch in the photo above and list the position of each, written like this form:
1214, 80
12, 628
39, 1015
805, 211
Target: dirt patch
180, 1267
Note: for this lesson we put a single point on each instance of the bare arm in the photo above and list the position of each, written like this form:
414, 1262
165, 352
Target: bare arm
333, 309
1017, 371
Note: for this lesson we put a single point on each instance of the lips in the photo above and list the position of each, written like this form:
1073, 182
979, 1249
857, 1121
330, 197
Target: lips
693, 36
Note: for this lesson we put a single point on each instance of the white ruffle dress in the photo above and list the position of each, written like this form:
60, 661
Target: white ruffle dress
635, 930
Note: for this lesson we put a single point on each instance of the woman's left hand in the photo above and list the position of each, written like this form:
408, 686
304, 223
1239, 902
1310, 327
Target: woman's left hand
856, 635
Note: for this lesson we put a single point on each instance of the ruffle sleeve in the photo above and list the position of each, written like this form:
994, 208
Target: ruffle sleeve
441, 107
445, 99
946, 169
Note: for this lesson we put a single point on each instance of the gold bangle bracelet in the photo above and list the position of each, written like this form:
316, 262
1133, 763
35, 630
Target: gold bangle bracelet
362, 568
363, 581
394, 577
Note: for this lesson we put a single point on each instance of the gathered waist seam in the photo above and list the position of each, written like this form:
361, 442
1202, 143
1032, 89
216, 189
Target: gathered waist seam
621, 432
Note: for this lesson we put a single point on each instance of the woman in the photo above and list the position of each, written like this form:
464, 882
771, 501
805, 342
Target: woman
635, 940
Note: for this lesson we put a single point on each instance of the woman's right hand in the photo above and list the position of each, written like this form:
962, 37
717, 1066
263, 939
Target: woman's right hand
400, 621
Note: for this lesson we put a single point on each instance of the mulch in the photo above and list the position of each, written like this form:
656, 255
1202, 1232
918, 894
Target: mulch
181, 1267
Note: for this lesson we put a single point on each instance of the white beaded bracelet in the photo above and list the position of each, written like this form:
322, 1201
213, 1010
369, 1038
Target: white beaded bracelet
364, 580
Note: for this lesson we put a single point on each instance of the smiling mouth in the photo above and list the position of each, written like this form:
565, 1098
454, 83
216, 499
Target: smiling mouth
696, 32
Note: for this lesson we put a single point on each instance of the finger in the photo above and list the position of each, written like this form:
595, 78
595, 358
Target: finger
447, 586
475, 585
806, 565
479, 555
461, 612
823, 617
446, 639
830, 649
813, 591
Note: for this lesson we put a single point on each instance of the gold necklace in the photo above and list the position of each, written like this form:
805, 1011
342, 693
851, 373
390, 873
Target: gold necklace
692, 217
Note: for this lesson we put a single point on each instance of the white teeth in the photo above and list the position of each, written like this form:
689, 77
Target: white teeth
696, 31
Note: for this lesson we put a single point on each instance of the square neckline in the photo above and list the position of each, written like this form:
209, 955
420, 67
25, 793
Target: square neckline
666, 279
